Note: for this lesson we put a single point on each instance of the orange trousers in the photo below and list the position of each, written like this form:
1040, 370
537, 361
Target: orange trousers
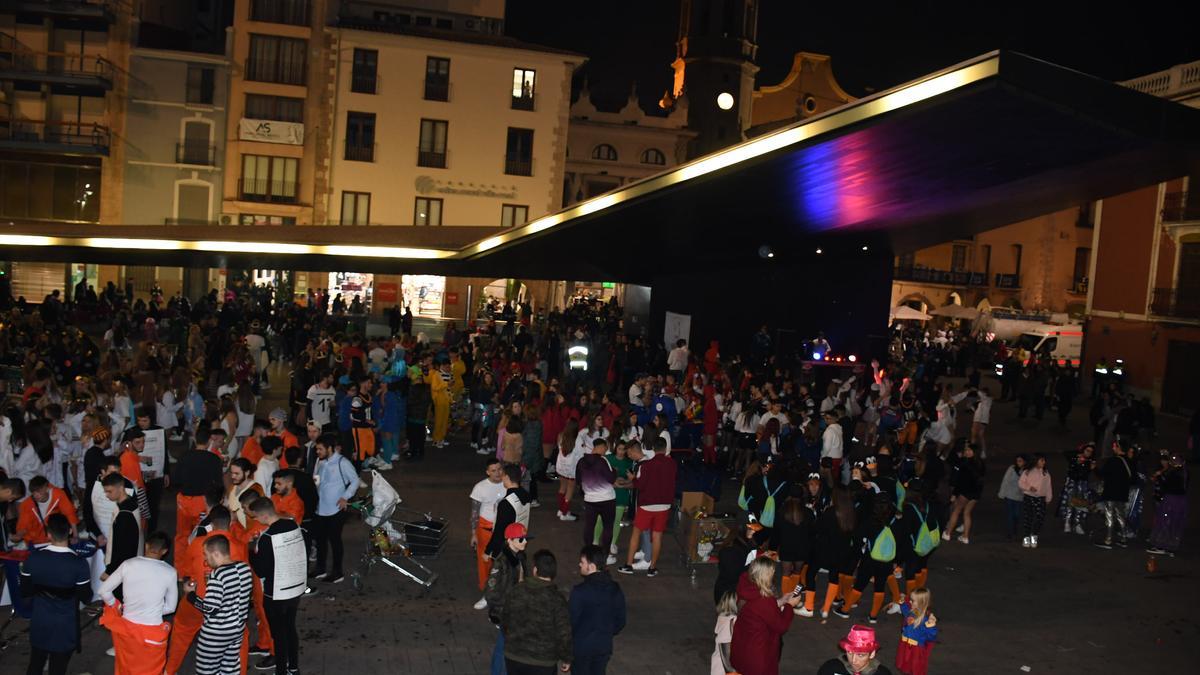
264, 629
188, 512
483, 535
140, 650
364, 442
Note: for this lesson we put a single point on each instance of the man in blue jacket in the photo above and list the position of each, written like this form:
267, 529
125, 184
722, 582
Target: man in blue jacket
56, 580
597, 608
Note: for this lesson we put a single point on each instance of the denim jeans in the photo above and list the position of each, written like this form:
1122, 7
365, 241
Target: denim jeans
498, 655
1012, 516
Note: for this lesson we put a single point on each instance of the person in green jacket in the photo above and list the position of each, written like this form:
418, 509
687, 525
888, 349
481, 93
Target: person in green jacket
622, 464
536, 622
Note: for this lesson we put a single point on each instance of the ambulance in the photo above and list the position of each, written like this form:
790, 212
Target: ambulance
1063, 344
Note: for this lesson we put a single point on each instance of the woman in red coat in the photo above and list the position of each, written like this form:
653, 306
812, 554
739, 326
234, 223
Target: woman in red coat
758, 631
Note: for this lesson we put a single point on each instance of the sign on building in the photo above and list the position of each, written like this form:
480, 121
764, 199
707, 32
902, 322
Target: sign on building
271, 131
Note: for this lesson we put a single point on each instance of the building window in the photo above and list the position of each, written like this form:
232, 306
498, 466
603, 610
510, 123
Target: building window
518, 154
432, 151
654, 156
958, 258
360, 137
512, 215
200, 85
522, 89
292, 12
356, 208
363, 75
605, 152
277, 108
906, 261
259, 219
277, 59
437, 79
987, 261
49, 192
1017, 250
269, 179
1083, 259
196, 147
444, 24
193, 203
428, 211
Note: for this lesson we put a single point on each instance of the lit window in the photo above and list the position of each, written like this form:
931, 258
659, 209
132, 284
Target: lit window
512, 215
428, 211
605, 152
522, 89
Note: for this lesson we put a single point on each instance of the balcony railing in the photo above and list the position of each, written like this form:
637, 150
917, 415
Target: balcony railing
291, 12
522, 103
437, 90
517, 166
936, 276
18, 63
1008, 281
362, 83
433, 160
1179, 303
189, 221
80, 9
201, 154
40, 135
360, 153
1079, 286
1178, 207
273, 191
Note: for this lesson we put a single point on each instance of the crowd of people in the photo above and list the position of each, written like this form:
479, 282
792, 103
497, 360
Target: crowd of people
852, 475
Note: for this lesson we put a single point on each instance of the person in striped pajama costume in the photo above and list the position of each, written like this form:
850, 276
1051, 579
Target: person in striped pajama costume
225, 606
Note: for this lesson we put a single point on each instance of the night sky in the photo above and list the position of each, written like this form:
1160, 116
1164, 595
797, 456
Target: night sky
873, 47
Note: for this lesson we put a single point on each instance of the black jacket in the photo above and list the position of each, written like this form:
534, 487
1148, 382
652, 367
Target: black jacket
126, 535
1118, 474
597, 607
505, 516
197, 472
262, 554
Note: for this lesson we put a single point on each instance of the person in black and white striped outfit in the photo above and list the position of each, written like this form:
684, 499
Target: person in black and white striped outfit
225, 606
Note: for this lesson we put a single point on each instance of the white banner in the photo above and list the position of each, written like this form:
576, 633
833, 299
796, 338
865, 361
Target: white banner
291, 564
156, 450
678, 327
271, 131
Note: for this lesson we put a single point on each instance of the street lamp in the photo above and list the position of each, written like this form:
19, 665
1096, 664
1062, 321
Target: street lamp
725, 100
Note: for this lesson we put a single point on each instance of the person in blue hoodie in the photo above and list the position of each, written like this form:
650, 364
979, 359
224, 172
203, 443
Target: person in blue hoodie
391, 415
344, 400
597, 608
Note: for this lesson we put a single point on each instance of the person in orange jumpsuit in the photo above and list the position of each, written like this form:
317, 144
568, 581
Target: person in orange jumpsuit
278, 420
287, 503
197, 473
252, 448
139, 632
486, 494
44, 501
191, 565
246, 534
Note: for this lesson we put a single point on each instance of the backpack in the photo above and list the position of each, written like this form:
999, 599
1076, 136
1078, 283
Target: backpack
743, 499
768, 513
884, 547
926, 539
901, 492
889, 419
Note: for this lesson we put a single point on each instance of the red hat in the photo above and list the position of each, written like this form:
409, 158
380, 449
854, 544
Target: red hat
515, 531
860, 640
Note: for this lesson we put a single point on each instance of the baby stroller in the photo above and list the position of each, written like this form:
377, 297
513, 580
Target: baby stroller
398, 537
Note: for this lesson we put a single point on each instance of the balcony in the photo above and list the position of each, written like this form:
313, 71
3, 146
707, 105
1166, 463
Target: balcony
518, 166
436, 90
72, 138
290, 12
522, 103
936, 276
80, 10
363, 83
1176, 303
1079, 287
82, 74
1008, 281
269, 191
189, 221
430, 159
360, 153
1179, 208
199, 154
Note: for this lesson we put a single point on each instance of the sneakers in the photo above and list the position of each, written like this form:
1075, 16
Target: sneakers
1033, 541
1154, 550
1079, 530
801, 610
625, 569
534, 504
872, 619
259, 651
947, 536
474, 445
1104, 545
1066, 527
838, 611
638, 555
963, 539
483, 451
1025, 542
893, 608
481, 604
643, 565
612, 549
824, 615
384, 466
319, 576
612, 560
959, 529
266, 664
568, 517
111, 651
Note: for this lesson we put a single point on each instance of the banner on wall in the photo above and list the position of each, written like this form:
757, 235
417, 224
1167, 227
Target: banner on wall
271, 131
386, 293
677, 327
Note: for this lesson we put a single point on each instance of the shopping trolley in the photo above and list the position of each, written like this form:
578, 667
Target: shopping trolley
398, 538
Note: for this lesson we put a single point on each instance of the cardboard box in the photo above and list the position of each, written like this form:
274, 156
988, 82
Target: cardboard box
692, 502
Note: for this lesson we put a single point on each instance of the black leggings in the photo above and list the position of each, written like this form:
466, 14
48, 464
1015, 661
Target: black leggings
870, 568
915, 564
607, 512
1033, 512
416, 438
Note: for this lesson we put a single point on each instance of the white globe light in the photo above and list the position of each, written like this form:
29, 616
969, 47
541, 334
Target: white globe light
725, 100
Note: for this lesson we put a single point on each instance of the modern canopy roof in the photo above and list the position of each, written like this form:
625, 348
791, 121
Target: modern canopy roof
984, 143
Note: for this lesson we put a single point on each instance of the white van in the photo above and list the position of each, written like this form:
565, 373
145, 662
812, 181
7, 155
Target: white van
1064, 344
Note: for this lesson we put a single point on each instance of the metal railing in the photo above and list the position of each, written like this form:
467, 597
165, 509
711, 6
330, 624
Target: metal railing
360, 153
1178, 207
363, 84
17, 61
1008, 281
1180, 303
189, 221
81, 8
522, 103
264, 190
1171, 83
436, 90
433, 160
85, 135
202, 154
517, 166
936, 276
291, 12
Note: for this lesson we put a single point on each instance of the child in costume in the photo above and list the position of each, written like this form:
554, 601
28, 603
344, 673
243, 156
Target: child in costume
917, 635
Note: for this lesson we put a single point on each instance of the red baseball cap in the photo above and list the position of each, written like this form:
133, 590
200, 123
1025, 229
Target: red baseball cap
516, 531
